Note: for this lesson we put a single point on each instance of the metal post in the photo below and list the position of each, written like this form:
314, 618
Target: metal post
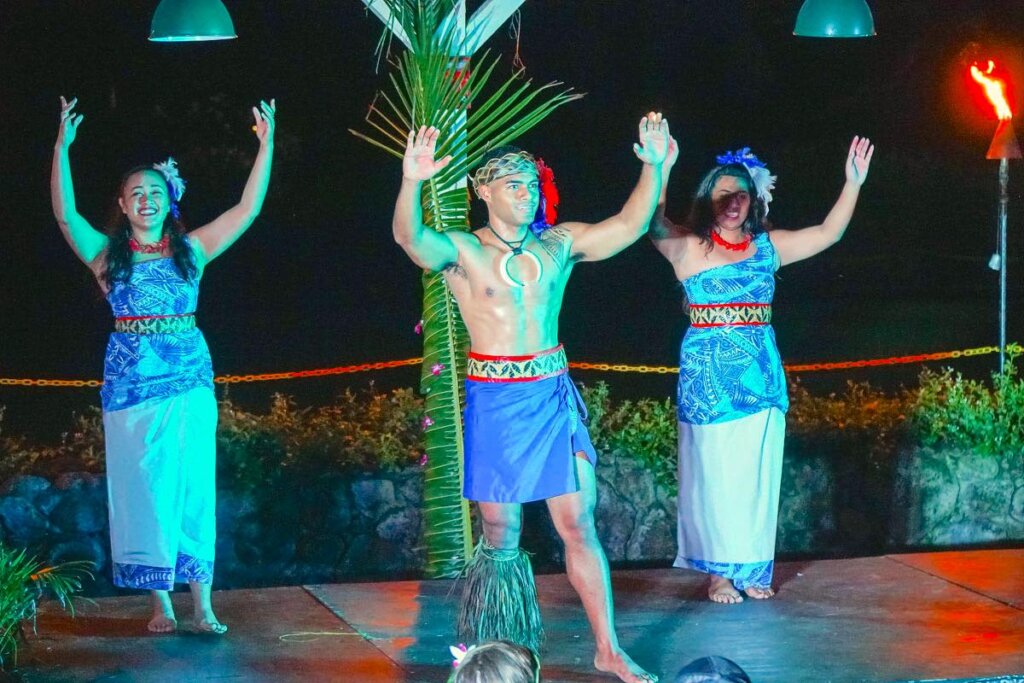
1004, 200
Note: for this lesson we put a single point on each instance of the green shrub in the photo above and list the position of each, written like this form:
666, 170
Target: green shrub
646, 428
369, 430
968, 414
365, 431
80, 450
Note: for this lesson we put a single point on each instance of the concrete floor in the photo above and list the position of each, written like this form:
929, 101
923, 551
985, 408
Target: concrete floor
954, 615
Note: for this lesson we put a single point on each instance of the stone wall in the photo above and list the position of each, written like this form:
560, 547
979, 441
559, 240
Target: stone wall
358, 527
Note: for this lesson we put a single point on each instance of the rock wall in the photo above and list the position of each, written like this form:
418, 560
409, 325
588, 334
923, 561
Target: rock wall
359, 527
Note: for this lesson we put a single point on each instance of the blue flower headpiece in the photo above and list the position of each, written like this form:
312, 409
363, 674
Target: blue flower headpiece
175, 183
764, 181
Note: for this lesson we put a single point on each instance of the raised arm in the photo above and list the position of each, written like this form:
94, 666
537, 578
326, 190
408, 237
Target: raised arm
85, 241
796, 245
427, 248
597, 241
669, 238
223, 231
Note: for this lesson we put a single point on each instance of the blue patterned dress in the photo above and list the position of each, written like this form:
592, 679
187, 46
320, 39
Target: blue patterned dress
732, 400
160, 418
730, 372
143, 367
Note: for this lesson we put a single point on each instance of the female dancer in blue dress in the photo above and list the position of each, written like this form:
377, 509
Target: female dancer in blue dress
732, 391
159, 411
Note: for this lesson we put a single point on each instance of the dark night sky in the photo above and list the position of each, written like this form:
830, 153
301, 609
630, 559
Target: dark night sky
317, 281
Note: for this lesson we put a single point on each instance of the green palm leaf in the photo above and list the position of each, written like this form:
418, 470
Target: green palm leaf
23, 580
430, 86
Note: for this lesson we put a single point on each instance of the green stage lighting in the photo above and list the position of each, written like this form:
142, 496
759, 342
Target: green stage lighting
176, 21
834, 19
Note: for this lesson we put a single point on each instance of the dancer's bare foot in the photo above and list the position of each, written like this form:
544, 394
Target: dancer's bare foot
163, 620
759, 593
723, 592
161, 623
210, 626
618, 663
204, 621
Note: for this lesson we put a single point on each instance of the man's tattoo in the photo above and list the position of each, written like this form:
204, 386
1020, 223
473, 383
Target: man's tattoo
553, 241
489, 291
455, 270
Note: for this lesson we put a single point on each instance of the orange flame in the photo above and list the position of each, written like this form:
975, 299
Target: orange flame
995, 90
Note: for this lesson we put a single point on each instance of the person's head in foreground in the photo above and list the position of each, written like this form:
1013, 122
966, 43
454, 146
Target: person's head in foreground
496, 661
712, 670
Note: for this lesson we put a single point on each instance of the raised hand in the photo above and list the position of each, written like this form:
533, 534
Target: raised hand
69, 122
265, 121
673, 153
654, 140
858, 161
418, 163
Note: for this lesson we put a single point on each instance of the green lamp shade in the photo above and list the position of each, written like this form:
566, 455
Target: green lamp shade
176, 21
834, 19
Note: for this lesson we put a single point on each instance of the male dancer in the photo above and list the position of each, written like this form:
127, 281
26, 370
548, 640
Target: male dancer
525, 438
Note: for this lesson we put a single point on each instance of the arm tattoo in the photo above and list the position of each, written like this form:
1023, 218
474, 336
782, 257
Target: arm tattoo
455, 270
553, 241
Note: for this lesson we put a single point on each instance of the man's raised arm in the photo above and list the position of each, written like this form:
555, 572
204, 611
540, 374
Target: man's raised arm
594, 242
427, 248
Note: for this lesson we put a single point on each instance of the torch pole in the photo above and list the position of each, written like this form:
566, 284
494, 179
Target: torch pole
1004, 200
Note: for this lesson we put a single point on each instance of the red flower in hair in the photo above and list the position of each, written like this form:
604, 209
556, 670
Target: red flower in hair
548, 191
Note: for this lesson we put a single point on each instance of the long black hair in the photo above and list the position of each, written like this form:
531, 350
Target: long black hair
701, 220
119, 254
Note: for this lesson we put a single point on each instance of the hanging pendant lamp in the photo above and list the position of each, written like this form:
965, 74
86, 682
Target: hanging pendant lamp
834, 19
176, 21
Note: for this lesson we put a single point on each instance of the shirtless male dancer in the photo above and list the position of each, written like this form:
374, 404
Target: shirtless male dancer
524, 423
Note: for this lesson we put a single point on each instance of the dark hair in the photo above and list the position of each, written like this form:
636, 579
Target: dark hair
119, 254
701, 220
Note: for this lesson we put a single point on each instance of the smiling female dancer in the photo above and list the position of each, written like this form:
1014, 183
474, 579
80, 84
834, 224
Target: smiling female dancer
159, 410
732, 391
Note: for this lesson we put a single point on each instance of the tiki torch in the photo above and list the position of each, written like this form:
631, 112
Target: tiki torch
1004, 147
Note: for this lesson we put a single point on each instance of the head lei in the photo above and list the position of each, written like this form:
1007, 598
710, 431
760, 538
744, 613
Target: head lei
175, 183
506, 161
764, 181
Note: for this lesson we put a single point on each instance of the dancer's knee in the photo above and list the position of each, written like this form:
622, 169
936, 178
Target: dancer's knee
501, 525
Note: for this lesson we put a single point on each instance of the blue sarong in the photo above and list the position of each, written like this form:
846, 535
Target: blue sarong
524, 425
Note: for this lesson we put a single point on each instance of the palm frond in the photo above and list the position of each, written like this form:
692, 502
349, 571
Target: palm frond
23, 580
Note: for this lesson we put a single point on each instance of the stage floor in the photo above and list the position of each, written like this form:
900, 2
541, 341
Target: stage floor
951, 615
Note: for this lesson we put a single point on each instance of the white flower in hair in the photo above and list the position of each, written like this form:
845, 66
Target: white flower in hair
175, 183
764, 181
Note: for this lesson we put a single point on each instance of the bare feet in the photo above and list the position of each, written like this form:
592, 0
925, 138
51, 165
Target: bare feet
723, 592
210, 626
162, 620
162, 623
759, 593
204, 620
618, 663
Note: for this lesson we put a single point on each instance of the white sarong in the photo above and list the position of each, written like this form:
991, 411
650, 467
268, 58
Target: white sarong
161, 489
729, 479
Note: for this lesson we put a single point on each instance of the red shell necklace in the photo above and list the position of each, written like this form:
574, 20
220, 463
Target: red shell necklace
157, 247
730, 246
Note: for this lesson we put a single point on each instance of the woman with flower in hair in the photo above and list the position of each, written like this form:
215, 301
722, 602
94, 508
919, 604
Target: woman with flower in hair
732, 390
159, 410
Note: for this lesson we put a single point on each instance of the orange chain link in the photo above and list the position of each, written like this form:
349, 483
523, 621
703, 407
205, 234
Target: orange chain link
600, 367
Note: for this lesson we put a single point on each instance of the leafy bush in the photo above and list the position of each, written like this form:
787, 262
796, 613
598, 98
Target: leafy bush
370, 430
364, 431
80, 450
968, 414
646, 429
